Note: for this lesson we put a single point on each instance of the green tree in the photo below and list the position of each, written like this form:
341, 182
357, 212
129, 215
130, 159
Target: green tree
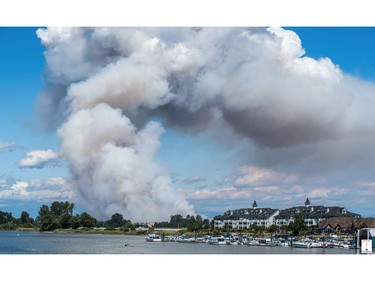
25, 219
64, 221
75, 221
254, 228
206, 224
59, 215
7, 221
47, 220
117, 220
177, 221
6, 217
193, 224
298, 225
61, 208
273, 228
128, 225
87, 220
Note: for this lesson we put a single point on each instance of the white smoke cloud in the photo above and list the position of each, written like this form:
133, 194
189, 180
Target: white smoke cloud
39, 159
114, 166
107, 83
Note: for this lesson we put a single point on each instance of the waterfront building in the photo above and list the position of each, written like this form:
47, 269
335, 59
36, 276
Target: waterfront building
244, 218
347, 223
312, 215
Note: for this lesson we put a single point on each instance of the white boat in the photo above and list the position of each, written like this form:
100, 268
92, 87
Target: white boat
316, 244
217, 240
263, 241
283, 243
153, 237
301, 244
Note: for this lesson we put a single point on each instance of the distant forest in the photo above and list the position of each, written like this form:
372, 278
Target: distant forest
59, 215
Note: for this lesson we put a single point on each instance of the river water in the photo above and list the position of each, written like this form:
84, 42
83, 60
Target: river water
19, 242
110, 257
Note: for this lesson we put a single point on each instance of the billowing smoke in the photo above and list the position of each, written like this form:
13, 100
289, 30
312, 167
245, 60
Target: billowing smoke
104, 85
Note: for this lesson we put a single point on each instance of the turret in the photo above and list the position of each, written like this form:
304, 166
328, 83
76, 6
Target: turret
307, 203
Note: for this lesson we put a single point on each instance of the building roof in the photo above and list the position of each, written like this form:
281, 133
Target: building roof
315, 212
248, 213
306, 211
368, 222
347, 222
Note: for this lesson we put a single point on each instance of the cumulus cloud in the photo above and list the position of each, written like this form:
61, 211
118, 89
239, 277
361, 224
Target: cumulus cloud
51, 188
255, 84
39, 159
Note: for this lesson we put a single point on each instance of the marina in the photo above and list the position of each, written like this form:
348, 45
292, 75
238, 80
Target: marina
36, 243
245, 240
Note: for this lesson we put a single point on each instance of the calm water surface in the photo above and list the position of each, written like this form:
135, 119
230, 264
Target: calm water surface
19, 242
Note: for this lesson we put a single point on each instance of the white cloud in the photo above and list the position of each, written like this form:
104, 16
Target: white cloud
256, 176
193, 180
3, 182
267, 189
38, 159
223, 193
20, 186
8, 146
50, 188
296, 189
365, 184
318, 192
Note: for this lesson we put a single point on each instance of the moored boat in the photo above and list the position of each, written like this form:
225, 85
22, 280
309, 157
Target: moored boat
316, 244
153, 237
217, 240
301, 244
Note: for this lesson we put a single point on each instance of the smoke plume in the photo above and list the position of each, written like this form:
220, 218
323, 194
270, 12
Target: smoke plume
104, 86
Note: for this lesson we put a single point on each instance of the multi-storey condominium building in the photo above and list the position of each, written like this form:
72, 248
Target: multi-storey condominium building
244, 218
313, 215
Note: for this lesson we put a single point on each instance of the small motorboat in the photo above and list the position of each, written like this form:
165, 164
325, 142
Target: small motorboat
153, 237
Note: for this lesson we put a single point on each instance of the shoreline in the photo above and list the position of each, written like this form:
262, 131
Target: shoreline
99, 231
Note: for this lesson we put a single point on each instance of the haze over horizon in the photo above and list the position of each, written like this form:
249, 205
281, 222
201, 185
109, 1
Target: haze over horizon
152, 122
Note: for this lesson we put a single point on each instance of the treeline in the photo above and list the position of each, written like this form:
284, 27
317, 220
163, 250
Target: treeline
59, 215
8, 222
192, 223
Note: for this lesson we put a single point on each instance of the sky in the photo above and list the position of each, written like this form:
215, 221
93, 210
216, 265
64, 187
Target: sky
182, 120
186, 121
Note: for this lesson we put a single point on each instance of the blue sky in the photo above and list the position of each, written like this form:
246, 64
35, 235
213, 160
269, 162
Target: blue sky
21, 79
207, 168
